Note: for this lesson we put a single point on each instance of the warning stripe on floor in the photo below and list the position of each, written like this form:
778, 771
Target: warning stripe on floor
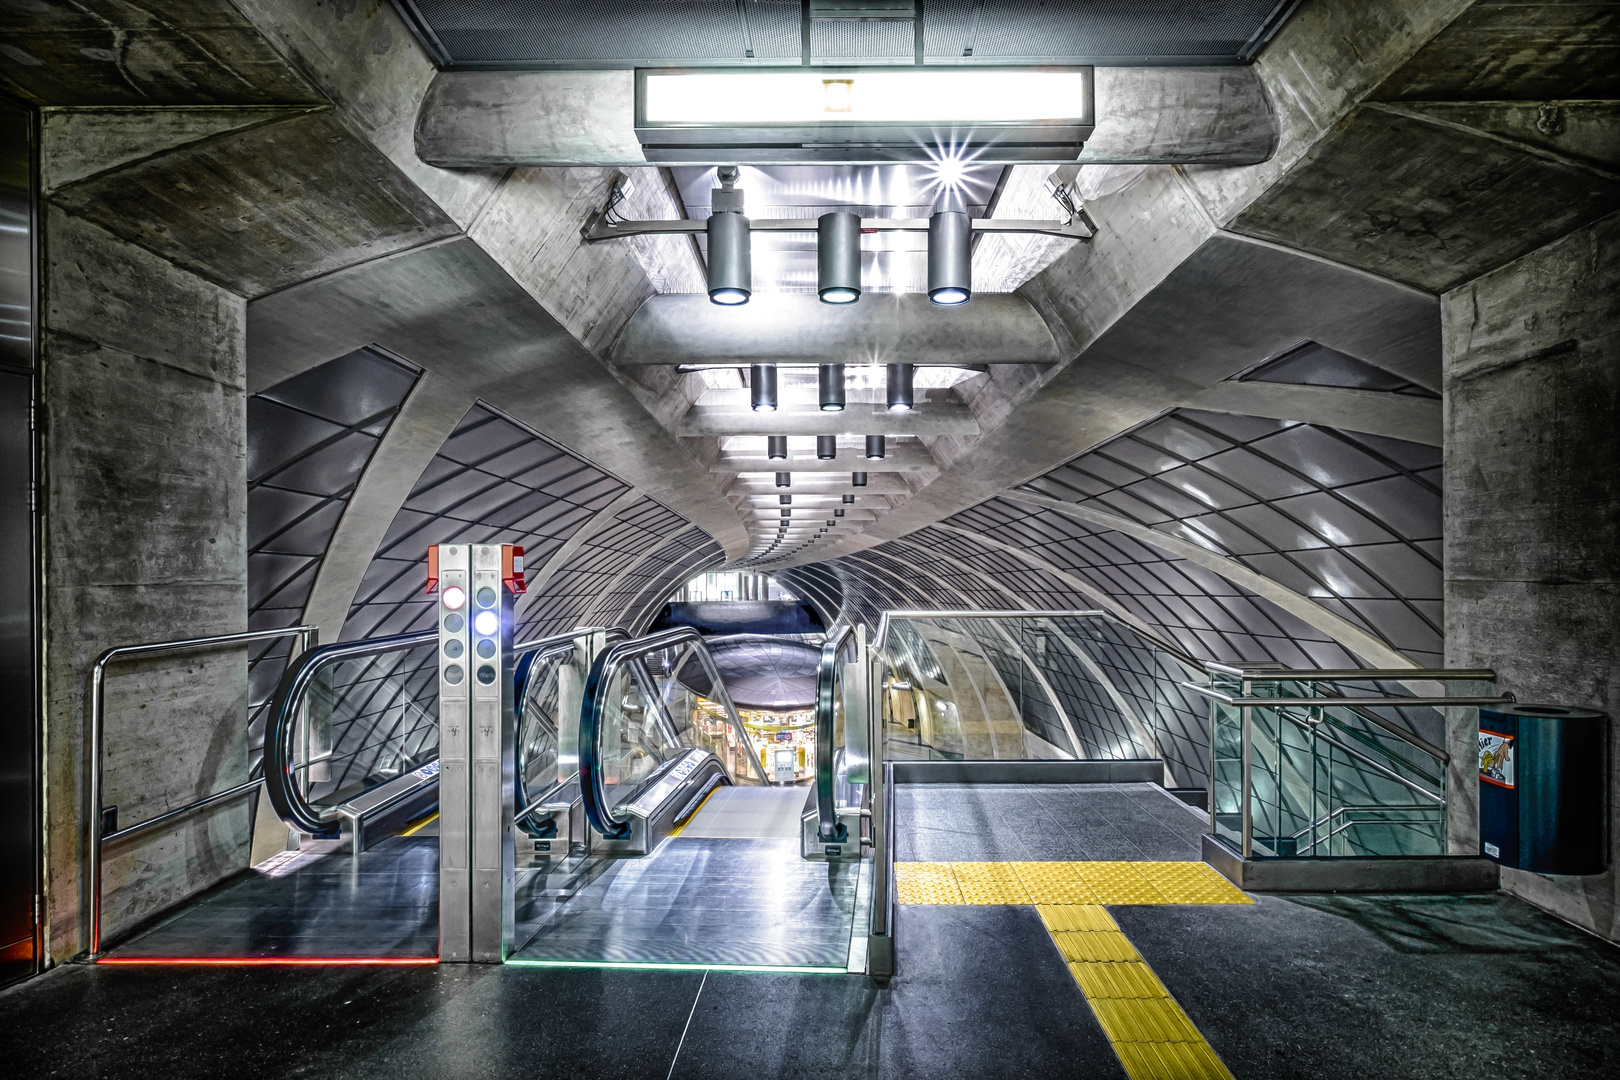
1063, 883
1149, 1031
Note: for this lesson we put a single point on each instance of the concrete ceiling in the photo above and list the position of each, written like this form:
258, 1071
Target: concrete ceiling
1374, 156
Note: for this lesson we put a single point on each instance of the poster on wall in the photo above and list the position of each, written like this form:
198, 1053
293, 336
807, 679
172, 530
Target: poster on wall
1496, 758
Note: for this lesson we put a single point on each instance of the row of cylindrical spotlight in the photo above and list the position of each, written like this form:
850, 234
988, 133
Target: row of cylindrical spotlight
902, 394
826, 447
838, 258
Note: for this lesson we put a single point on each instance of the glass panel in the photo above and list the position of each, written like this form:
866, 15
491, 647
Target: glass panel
366, 721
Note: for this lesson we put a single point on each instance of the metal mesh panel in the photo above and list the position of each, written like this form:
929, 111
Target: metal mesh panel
1005, 30
309, 440
518, 32
1350, 520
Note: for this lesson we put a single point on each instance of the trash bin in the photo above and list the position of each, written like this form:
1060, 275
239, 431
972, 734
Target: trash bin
1543, 788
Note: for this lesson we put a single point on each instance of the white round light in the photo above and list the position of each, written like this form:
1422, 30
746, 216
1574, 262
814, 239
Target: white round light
454, 597
728, 296
899, 407
486, 623
948, 297
839, 296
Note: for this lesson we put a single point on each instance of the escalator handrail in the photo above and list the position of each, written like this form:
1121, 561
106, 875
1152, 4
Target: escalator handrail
540, 649
830, 829
280, 723
598, 689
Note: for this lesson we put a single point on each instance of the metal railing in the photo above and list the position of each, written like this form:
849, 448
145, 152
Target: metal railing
542, 649
1325, 723
307, 635
599, 684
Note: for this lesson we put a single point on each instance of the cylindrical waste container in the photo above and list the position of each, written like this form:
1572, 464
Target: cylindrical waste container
1543, 786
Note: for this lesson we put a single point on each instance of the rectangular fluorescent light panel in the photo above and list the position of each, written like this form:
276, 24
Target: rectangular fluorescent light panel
865, 97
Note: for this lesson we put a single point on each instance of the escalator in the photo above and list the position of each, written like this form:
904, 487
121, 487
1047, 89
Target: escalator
682, 852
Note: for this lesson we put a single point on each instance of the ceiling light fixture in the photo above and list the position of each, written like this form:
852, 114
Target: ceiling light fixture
784, 479
731, 272
874, 447
785, 500
838, 258
857, 479
776, 446
762, 387
849, 500
830, 387
950, 254
838, 511
826, 447
902, 394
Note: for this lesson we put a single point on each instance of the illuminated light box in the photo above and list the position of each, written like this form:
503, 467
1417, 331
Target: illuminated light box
782, 116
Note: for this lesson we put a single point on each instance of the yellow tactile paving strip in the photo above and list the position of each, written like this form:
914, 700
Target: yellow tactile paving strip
1149, 1031
1063, 883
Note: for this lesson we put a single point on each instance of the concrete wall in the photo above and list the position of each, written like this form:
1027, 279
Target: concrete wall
1532, 550
144, 433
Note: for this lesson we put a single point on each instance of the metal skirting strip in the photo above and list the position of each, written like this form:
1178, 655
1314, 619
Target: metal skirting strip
1392, 874
1131, 771
1063, 883
1148, 1029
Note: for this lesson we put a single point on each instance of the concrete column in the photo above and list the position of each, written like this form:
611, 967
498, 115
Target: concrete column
1532, 548
145, 539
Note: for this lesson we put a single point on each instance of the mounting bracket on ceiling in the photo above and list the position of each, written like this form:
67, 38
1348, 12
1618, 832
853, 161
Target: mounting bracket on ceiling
605, 223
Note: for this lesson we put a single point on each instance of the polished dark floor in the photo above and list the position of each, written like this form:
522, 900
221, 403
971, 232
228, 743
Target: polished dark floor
320, 903
703, 900
1388, 987
1045, 822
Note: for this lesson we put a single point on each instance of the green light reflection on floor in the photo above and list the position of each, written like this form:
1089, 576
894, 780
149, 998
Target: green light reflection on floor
650, 966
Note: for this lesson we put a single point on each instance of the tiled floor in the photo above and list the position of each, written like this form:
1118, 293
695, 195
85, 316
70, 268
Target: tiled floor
1026, 822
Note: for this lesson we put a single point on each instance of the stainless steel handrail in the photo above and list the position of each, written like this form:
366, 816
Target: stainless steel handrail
881, 640
1267, 673
1248, 702
829, 828
598, 687
98, 685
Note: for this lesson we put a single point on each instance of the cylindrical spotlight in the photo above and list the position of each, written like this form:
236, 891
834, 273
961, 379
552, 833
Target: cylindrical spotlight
731, 273
784, 479
874, 447
787, 511
831, 386
857, 479
849, 500
950, 257
762, 387
838, 511
826, 447
838, 257
776, 446
785, 500
831, 522
902, 394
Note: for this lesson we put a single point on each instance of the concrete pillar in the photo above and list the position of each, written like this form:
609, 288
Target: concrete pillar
1532, 478
145, 536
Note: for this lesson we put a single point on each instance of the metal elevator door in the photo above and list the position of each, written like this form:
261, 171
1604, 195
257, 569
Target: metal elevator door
19, 710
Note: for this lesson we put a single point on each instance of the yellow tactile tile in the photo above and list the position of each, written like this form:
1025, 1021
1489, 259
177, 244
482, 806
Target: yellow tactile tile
990, 883
1121, 980
1112, 947
1191, 883
1171, 1061
1055, 883
926, 883
1061, 917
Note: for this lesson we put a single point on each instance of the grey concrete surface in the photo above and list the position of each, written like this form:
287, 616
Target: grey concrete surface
1532, 538
1157, 115
881, 328
430, 413
145, 539
1394, 416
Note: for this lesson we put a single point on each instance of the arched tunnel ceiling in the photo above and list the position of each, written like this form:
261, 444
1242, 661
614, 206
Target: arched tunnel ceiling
1417, 146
